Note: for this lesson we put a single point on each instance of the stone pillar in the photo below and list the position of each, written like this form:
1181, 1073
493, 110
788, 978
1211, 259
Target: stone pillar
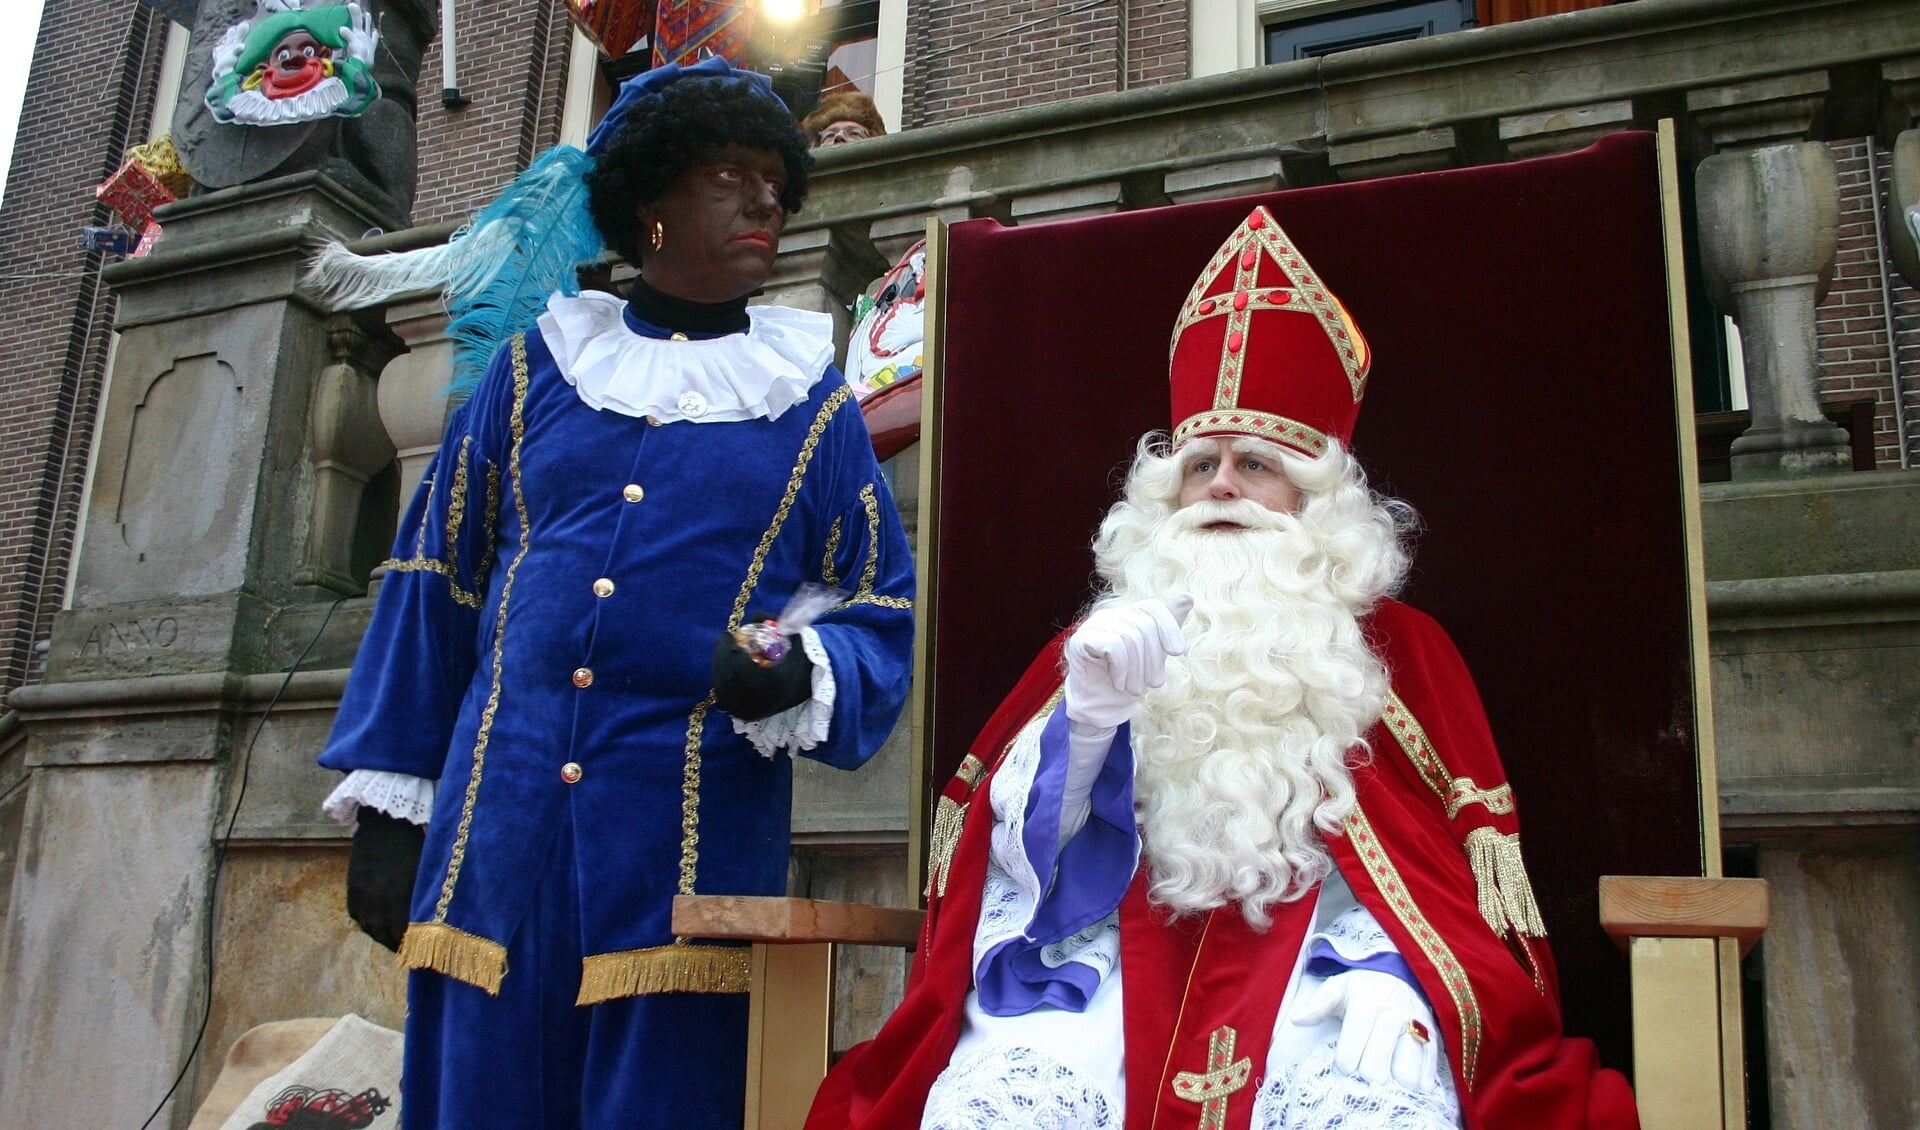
1768, 228
202, 502
823, 269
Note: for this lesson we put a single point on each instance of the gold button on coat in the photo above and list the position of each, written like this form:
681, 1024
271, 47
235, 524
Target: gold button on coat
603, 587
632, 492
570, 772
583, 676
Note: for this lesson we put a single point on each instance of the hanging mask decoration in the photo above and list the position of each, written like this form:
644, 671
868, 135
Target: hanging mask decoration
288, 64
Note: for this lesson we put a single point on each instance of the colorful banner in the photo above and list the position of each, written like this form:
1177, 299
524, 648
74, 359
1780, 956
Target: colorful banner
686, 30
614, 26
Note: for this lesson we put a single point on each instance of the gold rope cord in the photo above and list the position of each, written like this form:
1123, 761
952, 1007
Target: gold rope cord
518, 425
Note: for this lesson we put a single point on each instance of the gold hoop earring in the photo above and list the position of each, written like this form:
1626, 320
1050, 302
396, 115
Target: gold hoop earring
659, 235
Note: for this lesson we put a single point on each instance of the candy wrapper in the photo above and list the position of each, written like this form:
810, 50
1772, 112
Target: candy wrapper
765, 641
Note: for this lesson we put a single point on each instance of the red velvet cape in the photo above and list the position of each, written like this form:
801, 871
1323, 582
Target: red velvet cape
1495, 1000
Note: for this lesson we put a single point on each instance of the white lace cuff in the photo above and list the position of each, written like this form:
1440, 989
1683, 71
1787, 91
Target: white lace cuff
398, 795
803, 726
1355, 936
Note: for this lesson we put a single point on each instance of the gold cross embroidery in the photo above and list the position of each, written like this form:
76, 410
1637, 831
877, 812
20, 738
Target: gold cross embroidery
1224, 1076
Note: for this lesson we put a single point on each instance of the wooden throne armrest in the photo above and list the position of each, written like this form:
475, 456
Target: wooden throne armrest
792, 921
1684, 938
790, 993
1642, 906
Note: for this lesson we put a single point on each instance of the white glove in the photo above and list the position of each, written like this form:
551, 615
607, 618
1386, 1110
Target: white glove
1379, 1033
1117, 655
360, 34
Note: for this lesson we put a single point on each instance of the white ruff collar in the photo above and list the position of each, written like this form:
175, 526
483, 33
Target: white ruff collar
743, 376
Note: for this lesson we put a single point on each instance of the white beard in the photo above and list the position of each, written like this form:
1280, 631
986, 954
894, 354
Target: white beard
1243, 754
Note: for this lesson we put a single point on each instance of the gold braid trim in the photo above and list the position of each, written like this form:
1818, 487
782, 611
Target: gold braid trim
459, 854
697, 721
433, 565
457, 503
690, 796
478, 961
1453, 975
1506, 897
1465, 792
827, 572
664, 969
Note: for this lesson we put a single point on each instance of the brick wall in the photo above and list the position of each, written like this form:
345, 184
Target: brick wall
968, 57
89, 95
513, 68
1156, 42
1856, 359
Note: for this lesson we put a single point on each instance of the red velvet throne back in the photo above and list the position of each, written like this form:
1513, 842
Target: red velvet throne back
1521, 398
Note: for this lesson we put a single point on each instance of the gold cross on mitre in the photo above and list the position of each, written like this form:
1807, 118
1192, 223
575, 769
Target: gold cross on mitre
1224, 1076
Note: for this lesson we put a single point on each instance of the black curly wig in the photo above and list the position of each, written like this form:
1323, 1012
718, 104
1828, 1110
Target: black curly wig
664, 136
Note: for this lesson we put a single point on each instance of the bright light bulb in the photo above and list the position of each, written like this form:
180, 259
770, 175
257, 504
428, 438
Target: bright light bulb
784, 11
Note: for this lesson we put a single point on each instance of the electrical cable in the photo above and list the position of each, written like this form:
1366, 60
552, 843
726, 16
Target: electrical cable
220, 859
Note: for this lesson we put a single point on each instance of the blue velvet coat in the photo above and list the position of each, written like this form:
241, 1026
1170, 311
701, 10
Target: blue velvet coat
550, 712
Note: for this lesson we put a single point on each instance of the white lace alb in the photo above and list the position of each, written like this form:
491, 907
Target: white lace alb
1003, 1087
1316, 1095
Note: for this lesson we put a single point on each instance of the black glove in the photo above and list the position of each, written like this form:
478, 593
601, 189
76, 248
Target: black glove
386, 854
751, 692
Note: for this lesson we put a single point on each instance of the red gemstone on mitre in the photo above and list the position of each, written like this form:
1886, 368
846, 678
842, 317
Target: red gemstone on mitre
1257, 220
1239, 300
1233, 342
1207, 306
1248, 258
1280, 297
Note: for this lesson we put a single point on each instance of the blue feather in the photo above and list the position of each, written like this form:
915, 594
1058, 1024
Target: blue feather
527, 244
495, 273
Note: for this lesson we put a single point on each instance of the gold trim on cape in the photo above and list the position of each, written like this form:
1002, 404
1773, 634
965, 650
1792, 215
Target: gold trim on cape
1453, 975
678, 968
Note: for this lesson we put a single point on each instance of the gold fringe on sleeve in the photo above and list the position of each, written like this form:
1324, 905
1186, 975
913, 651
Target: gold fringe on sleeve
1506, 896
462, 956
664, 969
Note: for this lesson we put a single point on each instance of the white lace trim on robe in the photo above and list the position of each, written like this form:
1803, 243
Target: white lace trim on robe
399, 795
1016, 1087
1313, 1094
805, 725
1014, 885
745, 376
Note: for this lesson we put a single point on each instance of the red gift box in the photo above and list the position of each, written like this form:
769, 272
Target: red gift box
613, 25
134, 192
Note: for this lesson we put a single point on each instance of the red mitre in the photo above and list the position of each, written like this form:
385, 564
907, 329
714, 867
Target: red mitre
1263, 348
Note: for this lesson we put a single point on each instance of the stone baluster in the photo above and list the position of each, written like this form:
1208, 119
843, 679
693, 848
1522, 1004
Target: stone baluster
412, 392
1769, 214
1769, 219
348, 446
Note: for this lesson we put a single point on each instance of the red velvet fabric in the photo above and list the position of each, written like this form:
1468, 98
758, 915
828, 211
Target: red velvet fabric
1493, 997
1520, 397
